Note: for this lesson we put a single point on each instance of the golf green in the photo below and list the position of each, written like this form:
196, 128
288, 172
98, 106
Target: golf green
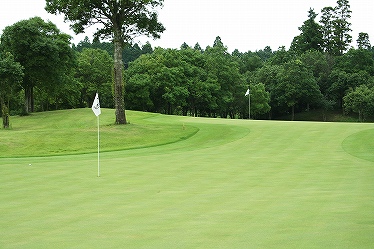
187, 183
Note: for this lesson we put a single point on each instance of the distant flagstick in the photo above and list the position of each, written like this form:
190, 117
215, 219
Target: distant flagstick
97, 111
249, 103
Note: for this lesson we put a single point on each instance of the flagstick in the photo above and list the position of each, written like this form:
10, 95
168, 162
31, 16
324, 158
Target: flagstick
249, 106
98, 146
96, 110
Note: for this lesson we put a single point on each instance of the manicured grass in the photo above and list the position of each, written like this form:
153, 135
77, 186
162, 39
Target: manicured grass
361, 144
234, 184
75, 132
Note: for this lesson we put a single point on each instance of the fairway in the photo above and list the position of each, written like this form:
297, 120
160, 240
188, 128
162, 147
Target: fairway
185, 182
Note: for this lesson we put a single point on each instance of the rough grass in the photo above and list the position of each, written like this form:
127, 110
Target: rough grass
234, 184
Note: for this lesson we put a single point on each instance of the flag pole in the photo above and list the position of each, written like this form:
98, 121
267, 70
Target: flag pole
97, 111
249, 104
98, 146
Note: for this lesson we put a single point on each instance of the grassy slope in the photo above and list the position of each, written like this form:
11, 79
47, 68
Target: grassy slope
234, 184
75, 132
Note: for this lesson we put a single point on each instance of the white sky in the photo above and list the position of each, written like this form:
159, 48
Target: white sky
241, 24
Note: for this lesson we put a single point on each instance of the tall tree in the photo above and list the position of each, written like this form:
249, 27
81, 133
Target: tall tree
311, 37
297, 85
184, 45
121, 21
11, 74
42, 50
269, 76
363, 41
198, 47
147, 48
260, 99
224, 69
341, 24
130, 53
83, 44
265, 53
327, 19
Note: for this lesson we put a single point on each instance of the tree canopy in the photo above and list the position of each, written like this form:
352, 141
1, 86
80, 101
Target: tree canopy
11, 74
320, 71
119, 21
42, 50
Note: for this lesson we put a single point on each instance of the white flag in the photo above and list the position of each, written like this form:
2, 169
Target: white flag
247, 93
96, 105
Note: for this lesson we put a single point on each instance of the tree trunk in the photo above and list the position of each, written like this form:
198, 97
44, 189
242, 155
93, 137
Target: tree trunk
119, 101
29, 99
293, 113
4, 113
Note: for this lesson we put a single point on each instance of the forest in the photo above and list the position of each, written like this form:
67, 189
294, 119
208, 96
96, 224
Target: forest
41, 70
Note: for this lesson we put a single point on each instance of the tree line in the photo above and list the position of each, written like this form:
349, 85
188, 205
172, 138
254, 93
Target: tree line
41, 70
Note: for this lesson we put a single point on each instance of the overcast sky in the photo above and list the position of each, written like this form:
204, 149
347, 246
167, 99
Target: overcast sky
241, 24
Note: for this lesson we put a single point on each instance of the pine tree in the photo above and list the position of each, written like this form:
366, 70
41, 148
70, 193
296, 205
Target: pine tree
363, 41
311, 37
336, 28
341, 25
326, 20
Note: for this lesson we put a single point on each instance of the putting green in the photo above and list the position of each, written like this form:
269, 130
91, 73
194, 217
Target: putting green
361, 144
231, 184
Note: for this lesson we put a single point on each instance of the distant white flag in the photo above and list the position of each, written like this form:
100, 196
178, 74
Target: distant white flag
96, 105
247, 93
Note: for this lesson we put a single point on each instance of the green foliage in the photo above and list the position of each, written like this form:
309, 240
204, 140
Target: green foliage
336, 27
296, 86
341, 25
44, 53
318, 63
360, 101
311, 37
94, 73
224, 70
282, 56
115, 16
356, 60
265, 54
248, 61
363, 41
327, 20
186, 81
343, 81
11, 74
317, 72
129, 53
260, 100
121, 21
